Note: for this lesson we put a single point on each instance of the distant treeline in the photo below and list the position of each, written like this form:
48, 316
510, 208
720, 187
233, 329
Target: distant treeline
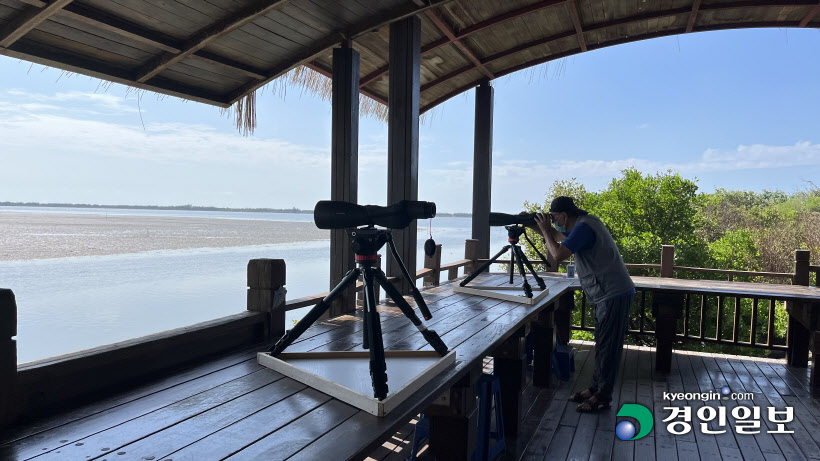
187, 208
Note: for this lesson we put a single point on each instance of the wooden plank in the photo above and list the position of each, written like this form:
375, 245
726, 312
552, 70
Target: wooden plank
291, 438
28, 429
111, 439
27, 21
208, 35
144, 402
544, 435
288, 396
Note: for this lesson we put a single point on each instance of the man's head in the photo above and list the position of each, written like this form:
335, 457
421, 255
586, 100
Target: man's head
563, 213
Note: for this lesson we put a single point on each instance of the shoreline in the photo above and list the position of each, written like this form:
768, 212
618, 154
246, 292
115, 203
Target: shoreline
30, 235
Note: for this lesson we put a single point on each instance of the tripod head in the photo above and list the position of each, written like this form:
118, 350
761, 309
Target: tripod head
514, 232
367, 241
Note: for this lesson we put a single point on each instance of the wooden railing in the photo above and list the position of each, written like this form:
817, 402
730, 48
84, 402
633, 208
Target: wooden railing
639, 324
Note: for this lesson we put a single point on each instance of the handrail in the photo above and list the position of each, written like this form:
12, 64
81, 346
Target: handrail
734, 272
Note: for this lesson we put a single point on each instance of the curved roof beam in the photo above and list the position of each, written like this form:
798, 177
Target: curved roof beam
628, 20
596, 46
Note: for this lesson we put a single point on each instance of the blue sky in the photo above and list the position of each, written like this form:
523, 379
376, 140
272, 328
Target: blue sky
734, 109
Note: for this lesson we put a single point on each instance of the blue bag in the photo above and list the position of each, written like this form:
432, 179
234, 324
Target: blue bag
563, 360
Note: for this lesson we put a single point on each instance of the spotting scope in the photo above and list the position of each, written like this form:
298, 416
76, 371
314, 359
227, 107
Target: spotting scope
504, 219
334, 214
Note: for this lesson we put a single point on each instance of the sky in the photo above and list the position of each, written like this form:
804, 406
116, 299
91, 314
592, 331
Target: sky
731, 109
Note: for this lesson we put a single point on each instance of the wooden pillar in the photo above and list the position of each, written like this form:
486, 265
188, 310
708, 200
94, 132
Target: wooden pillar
510, 365
433, 262
403, 135
799, 335
454, 419
482, 167
668, 261
8, 356
542, 345
266, 293
667, 308
344, 166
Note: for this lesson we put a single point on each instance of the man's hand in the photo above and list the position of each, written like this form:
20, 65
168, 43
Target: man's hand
543, 223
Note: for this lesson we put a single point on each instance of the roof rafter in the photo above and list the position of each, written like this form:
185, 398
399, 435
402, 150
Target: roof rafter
576, 21
208, 35
693, 16
96, 18
28, 20
807, 19
464, 33
448, 32
333, 39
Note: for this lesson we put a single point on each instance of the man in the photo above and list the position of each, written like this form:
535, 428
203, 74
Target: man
605, 282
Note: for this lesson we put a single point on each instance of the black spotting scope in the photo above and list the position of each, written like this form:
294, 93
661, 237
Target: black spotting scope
504, 219
333, 214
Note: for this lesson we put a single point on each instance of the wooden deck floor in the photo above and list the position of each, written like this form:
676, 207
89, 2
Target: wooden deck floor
553, 430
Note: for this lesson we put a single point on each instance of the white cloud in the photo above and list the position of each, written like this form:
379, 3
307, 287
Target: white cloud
88, 101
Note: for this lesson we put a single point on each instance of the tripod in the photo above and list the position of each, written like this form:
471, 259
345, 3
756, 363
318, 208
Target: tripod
517, 256
366, 242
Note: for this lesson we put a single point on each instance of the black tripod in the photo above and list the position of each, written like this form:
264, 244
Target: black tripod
366, 242
517, 256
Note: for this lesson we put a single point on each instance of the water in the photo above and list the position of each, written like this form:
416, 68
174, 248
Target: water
74, 303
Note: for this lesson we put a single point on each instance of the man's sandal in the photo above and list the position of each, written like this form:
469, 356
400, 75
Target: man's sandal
593, 404
583, 395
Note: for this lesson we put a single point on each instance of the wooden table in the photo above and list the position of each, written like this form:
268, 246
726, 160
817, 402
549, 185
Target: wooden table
232, 407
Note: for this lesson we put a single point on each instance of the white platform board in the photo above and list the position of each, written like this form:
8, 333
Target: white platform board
346, 374
515, 294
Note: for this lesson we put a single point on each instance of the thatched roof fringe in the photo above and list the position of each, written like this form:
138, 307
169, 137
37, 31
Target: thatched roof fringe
310, 82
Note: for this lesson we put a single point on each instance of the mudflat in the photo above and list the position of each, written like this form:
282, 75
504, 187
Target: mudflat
29, 235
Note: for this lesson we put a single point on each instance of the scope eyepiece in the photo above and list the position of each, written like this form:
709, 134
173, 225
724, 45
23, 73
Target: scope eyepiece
334, 214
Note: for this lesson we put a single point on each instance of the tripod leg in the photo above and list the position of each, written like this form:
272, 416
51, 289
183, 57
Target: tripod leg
483, 266
431, 336
378, 366
313, 315
512, 264
366, 323
526, 285
425, 312
527, 263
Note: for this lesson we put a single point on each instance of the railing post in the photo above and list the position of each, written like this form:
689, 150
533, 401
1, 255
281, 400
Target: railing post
266, 293
668, 261
667, 308
797, 352
433, 262
471, 253
8, 356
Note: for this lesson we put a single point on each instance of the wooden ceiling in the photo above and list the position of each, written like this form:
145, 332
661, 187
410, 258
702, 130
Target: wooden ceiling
218, 51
